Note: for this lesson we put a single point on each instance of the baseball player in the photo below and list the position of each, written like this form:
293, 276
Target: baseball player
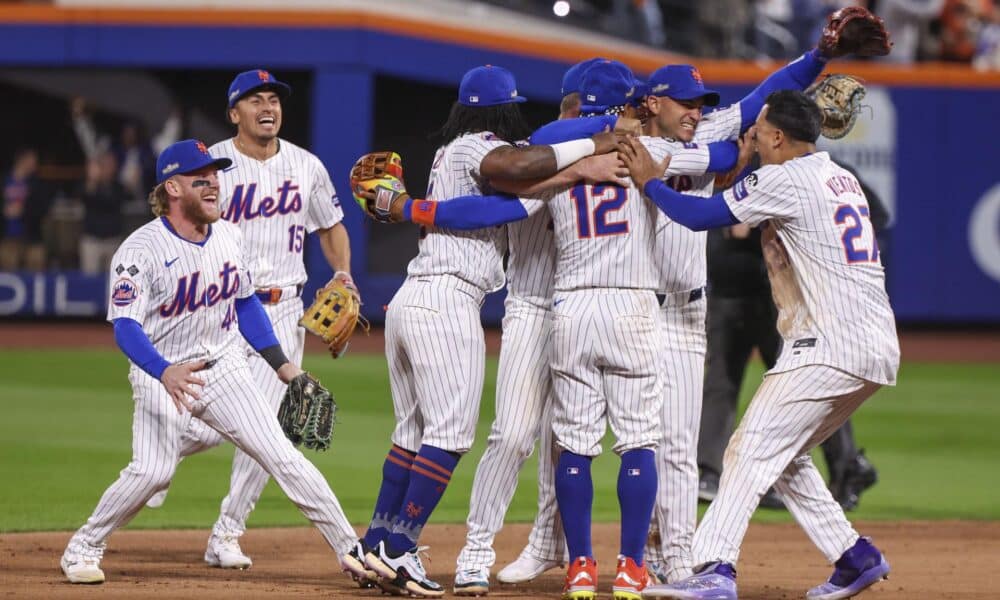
276, 193
180, 297
434, 338
829, 287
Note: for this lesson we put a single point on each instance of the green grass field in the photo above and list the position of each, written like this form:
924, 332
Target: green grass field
65, 432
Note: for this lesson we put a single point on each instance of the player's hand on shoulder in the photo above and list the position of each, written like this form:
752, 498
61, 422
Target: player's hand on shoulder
179, 381
608, 141
629, 126
603, 168
640, 163
287, 372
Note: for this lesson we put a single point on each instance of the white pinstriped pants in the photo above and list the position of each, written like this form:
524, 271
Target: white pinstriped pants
248, 478
523, 415
436, 352
676, 511
791, 413
605, 369
231, 405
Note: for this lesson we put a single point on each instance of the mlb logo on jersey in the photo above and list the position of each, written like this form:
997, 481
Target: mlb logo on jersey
124, 292
633, 472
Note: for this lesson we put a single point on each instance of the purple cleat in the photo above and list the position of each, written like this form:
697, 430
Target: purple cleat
857, 569
715, 581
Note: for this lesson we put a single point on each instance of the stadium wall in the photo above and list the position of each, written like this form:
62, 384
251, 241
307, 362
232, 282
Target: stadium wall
927, 145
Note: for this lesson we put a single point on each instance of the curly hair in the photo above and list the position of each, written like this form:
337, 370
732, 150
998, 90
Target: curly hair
503, 120
159, 200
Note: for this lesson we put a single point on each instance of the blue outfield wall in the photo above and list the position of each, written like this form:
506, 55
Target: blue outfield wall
937, 163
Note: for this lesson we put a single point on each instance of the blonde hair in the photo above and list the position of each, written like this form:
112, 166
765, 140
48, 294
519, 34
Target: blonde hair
159, 200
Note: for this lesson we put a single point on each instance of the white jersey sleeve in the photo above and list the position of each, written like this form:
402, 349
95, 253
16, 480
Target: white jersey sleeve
720, 125
133, 278
767, 193
324, 209
690, 159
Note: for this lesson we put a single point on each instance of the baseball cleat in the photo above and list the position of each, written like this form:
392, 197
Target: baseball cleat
708, 486
404, 570
858, 476
525, 568
81, 562
715, 581
472, 582
353, 563
857, 569
224, 552
630, 580
581, 579
157, 499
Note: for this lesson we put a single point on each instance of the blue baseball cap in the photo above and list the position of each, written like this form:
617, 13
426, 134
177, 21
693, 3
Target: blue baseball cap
488, 86
605, 84
680, 82
571, 80
186, 156
249, 81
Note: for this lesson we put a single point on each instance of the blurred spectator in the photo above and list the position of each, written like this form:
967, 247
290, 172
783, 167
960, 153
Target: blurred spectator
103, 196
136, 157
724, 25
962, 22
23, 210
988, 48
907, 21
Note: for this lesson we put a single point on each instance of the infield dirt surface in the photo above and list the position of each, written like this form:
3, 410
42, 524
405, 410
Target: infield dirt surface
940, 560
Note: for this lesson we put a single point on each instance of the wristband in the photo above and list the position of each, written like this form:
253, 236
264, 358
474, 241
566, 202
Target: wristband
422, 212
569, 152
274, 356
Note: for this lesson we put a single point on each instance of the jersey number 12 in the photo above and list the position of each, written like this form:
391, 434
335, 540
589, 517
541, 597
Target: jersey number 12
605, 198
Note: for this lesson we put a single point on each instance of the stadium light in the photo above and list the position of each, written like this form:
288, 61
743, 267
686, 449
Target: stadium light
561, 8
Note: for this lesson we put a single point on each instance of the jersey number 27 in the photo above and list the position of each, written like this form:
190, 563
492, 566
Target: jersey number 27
851, 217
604, 198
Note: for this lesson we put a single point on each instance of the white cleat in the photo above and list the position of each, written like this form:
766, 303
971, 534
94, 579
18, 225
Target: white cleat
472, 582
157, 500
81, 562
224, 552
525, 568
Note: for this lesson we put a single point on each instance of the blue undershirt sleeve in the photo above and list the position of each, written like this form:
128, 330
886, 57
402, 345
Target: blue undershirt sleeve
797, 75
136, 345
693, 212
565, 130
722, 156
474, 212
254, 324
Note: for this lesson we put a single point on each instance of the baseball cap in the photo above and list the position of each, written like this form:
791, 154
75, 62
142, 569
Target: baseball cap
488, 85
248, 81
571, 80
605, 84
186, 156
680, 82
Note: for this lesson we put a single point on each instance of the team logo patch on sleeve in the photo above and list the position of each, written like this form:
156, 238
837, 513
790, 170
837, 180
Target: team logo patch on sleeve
690, 146
742, 188
124, 292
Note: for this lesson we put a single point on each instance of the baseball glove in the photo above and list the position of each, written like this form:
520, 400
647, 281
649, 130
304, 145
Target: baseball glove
839, 99
307, 413
334, 315
854, 30
374, 166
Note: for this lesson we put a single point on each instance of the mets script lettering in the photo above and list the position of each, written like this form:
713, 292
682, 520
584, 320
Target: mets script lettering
189, 297
241, 205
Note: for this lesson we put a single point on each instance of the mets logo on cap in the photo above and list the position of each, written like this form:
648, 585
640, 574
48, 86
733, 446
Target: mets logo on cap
697, 76
124, 292
263, 75
201, 147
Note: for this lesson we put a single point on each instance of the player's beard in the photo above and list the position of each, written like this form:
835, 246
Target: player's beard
199, 212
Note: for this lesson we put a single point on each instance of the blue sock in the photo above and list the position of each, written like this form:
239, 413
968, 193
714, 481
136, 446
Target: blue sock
429, 477
636, 497
575, 496
395, 479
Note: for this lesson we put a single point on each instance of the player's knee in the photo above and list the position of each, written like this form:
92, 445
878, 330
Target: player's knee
517, 442
153, 475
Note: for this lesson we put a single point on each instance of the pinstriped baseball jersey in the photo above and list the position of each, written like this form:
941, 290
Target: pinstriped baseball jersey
833, 308
605, 234
532, 261
182, 293
276, 202
680, 252
720, 125
474, 256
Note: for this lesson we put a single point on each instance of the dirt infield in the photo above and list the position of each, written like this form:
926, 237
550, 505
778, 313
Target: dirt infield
941, 560
929, 346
